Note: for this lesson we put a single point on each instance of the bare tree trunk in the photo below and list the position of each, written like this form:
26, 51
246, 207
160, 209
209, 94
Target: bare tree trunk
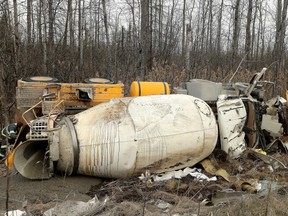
183, 28
236, 29
80, 36
132, 8
279, 38
50, 43
210, 33
91, 36
284, 25
6, 25
155, 26
278, 27
71, 29
248, 30
3, 98
29, 22
51, 23
134, 24
258, 40
16, 37
219, 27
187, 50
65, 36
171, 32
204, 15
39, 21
44, 66
262, 29
144, 38
150, 36
97, 26
109, 53
160, 26
4, 118
252, 49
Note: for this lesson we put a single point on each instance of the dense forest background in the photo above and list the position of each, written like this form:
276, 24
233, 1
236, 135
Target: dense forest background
157, 40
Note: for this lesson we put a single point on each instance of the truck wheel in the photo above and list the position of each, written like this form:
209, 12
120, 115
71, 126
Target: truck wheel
41, 79
98, 81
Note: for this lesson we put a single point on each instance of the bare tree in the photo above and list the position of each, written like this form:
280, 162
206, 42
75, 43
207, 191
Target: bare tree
144, 47
219, 28
160, 25
109, 53
50, 23
236, 28
131, 4
280, 37
253, 40
262, 22
248, 29
71, 30
80, 36
183, 27
65, 36
29, 19
187, 50
5, 36
16, 37
44, 42
39, 21
203, 27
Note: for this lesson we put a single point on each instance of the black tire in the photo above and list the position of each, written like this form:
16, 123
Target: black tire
45, 79
98, 81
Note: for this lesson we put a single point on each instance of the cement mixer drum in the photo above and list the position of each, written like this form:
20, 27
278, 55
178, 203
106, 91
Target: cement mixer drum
126, 136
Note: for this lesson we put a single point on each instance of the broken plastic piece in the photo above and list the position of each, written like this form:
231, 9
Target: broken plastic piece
231, 120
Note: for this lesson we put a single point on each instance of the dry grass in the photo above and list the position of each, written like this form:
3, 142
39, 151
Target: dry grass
175, 75
190, 197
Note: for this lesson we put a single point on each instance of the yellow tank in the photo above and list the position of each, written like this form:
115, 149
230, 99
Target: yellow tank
149, 88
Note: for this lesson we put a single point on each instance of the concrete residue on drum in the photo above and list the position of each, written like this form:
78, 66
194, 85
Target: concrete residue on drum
125, 136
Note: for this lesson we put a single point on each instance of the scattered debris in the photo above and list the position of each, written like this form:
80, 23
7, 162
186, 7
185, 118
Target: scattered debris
194, 172
16, 213
76, 208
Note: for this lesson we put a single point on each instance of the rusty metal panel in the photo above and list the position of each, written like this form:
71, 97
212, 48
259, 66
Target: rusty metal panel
27, 97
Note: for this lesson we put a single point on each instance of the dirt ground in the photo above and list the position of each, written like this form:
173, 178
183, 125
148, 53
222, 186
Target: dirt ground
41, 195
176, 197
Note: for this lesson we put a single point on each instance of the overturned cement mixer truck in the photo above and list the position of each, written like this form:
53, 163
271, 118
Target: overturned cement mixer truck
109, 135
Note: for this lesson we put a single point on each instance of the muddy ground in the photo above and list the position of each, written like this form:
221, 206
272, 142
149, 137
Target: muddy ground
186, 196
42, 194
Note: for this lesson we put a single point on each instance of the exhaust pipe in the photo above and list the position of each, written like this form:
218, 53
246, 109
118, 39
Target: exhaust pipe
125, 137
